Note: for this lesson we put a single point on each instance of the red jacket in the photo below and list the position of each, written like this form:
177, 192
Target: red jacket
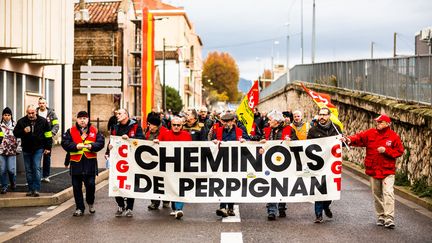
379, 165
171, 136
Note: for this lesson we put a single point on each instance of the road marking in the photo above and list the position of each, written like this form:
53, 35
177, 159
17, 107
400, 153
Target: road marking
51, 208
29, 219
233, 219
59, 173
41, 213
231, 237
16, 226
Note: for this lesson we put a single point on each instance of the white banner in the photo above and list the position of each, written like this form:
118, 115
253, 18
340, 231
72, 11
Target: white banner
250, 172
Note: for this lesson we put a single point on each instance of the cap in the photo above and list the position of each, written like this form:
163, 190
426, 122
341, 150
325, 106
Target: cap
154, 121
82, 114
227, 117
383, 117
7, 110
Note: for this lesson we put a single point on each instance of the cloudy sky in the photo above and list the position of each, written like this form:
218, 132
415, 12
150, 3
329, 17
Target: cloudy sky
253, 31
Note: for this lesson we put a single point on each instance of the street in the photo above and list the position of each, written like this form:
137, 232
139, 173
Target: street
353, 221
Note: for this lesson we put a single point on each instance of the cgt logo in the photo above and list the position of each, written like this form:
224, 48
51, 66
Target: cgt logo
122, 166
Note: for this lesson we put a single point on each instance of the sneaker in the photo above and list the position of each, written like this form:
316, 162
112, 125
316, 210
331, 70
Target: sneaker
271, 216
172, 213
3, 191
380, 222
166, 204
128, 213
153, 206
328, 213
282, 213
390, 225
231, 212
318, 220
178, 214
222, 212
78, 213
46, 179
35, 194
119, 212
29, 194
92, 208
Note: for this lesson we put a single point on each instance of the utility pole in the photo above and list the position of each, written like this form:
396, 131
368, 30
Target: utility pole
394, 44
287, 60
301, 27
163, 77
372, 49
313, 33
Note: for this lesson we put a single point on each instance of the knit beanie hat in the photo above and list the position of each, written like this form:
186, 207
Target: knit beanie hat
7, 110
154, 120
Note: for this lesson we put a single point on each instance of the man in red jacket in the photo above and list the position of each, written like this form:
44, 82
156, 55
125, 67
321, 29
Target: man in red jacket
175, 134
383, 146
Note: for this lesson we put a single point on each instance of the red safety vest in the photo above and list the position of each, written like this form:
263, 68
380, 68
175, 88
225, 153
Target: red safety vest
77, 138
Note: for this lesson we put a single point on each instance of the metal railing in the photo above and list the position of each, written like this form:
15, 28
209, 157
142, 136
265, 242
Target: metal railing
405, 78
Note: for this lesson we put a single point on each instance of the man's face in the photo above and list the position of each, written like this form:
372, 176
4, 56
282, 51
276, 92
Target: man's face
228, 124
273, 123
31, 114
82, 121
176, 125
42, 105
153, 128
203, 114
323, 117
122, 116
190, 119
297, 117
381, 125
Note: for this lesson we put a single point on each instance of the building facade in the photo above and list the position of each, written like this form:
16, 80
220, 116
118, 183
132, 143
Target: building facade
36, 56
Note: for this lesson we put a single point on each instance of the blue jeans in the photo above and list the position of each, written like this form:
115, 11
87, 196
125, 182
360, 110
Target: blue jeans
273, 208
7, 167
320, 206
46, 168
32, 163
178, 205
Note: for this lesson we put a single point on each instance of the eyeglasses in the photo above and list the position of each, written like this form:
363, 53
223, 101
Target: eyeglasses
176, 125
323, 114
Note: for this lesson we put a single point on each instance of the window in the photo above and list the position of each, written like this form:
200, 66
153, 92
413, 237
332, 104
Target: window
49, 92
33, 84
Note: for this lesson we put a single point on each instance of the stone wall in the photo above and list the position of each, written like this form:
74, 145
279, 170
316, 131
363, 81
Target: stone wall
413, 122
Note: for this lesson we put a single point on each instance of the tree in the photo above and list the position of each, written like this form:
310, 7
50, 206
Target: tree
173, 100
221, 74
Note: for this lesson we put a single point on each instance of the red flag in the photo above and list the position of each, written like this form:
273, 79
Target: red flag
323, 100
245, 110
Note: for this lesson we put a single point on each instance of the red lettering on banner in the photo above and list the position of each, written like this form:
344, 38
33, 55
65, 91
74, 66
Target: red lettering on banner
122, 150
336, 167
336, 151
122, 166
121, 180
338, 183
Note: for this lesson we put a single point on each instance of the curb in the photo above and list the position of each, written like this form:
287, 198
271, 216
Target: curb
55, 199
401, 191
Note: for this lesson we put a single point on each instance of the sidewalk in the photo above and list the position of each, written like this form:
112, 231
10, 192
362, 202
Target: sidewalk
53, 193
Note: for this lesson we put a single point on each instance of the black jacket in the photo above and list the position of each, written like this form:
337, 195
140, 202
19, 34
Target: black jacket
85, 166
319, 131
40, 136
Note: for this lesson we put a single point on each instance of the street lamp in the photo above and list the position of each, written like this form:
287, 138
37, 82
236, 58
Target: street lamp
163, 73
272, 59
287, 52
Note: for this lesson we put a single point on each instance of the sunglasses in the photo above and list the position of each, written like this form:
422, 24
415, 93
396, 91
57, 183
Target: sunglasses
176, 125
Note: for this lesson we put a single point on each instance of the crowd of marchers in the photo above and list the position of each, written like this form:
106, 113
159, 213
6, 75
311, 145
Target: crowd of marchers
32, 135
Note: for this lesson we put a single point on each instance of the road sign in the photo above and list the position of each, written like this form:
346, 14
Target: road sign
100, 91
100, 79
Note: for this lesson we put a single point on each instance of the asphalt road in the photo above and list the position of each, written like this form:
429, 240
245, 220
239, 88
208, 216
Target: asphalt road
353, 221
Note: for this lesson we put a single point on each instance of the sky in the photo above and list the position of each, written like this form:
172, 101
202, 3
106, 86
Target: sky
254, 31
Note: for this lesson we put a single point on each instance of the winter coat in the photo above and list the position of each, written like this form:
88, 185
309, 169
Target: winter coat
319, 131
172, 136
86, 166
40, 136
9, 144
281, 132
52, 120
379, 165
